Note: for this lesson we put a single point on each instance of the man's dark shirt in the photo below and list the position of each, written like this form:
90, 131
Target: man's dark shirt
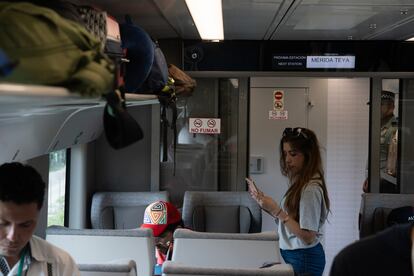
387, 253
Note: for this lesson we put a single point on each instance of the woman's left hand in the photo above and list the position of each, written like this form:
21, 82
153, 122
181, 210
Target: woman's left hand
265, 202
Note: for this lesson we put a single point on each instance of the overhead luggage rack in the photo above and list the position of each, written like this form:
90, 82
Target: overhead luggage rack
54, 117
140, 99
18, 100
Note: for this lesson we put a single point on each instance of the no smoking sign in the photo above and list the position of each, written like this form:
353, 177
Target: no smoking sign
204, 125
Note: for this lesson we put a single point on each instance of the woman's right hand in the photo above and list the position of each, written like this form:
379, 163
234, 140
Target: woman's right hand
264, 201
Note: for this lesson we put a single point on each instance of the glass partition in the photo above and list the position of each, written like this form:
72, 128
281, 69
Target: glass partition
206, 161
405, 161
396, 153
389, 118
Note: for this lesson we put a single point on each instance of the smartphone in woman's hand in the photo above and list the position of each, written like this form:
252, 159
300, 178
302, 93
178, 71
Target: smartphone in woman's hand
252, 185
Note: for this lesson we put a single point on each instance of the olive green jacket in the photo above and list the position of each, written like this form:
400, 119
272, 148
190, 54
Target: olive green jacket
52, 50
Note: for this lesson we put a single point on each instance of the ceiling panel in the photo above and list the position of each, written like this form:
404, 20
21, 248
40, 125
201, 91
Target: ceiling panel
179, 17
275, 19
357, 2
328, 18
144, 13
334, 20
246, 19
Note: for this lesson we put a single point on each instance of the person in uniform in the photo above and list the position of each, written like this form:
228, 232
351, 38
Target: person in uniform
389, 126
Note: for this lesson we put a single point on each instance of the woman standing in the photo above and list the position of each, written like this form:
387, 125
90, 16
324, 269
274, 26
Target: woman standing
304, 207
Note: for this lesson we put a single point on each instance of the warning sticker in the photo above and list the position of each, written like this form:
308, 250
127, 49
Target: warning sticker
278, 115
204, 125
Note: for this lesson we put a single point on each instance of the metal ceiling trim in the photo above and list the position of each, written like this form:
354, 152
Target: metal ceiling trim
284, 12
389, 28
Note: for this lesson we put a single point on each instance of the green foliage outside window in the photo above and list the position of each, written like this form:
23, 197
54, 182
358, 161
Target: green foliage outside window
56, 188
58, 217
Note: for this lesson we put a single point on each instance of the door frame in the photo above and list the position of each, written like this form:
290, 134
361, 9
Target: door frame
375, 110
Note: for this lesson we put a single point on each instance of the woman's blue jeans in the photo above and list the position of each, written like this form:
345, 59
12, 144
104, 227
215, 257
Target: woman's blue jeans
307, 261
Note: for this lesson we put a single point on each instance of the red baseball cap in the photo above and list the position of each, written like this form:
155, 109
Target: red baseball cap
158, 215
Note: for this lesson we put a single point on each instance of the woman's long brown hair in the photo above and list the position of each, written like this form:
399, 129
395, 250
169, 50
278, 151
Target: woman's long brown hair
304, 141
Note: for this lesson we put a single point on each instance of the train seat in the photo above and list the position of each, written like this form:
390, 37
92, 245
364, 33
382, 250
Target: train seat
225, 250
122, 210
226, 212
100, 246
171, 268
121, 268
375, 208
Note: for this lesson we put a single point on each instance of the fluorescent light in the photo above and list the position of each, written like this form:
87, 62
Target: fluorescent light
208, 17
410, 39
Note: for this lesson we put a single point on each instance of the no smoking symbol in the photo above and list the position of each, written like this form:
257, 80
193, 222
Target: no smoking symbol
198, 123
211, 123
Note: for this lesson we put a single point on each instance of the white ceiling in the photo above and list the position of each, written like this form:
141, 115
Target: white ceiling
276, 19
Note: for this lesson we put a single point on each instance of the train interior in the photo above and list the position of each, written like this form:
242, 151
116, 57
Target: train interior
62, 133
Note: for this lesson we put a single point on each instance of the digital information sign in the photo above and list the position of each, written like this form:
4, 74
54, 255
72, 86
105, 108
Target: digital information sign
292, 62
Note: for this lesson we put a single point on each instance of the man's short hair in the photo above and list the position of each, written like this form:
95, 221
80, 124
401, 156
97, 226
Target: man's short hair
21, 184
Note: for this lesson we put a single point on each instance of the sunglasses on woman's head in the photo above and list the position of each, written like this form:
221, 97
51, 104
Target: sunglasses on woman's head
294, 132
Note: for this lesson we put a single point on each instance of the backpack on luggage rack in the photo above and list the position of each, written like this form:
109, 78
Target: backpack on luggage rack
147, 73
68, 55
184, 84
121, 129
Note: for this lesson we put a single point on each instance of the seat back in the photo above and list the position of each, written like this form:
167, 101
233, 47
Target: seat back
127, 268
121, 210
171, 268
226, 212
225, 250
96, 246
375, 209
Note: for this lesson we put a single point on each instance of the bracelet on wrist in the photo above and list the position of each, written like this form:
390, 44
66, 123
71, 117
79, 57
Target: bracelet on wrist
286, 219
278, 212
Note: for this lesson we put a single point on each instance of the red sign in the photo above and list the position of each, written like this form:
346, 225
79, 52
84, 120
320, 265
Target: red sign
278, 95
278, 100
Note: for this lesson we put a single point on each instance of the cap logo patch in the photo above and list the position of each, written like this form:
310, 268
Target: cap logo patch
156, 214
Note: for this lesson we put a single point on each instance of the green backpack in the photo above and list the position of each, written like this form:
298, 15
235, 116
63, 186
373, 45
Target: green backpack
51, 50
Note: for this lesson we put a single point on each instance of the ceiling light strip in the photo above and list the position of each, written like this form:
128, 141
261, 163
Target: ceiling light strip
208, 18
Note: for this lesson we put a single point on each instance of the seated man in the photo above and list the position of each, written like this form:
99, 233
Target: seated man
21, 253
163, 218
386, 253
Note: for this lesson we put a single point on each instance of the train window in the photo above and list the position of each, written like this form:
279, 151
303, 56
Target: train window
57, 186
